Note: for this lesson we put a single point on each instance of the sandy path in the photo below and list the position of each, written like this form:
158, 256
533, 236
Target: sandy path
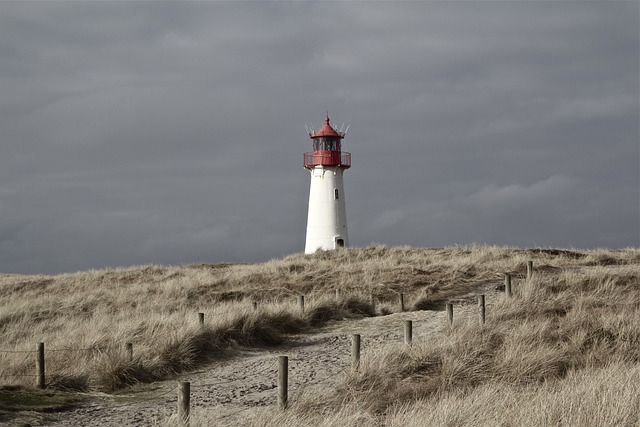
248, 380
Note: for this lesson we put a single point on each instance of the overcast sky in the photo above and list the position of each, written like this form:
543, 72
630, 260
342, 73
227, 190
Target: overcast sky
173, 132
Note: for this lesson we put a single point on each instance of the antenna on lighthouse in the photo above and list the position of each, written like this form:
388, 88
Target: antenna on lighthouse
341, 130
309, 130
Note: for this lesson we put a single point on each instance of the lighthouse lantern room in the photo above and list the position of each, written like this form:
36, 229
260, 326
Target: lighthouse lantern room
327, 217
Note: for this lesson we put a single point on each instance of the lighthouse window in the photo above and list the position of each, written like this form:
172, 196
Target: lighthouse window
336, 195
326, 144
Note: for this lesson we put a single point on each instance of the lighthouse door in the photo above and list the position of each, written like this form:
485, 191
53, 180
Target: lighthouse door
340, 243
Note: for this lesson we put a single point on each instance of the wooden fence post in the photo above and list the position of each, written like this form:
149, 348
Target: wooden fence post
507, 284
283, 381
129, 347
450, 312
372, 300
301, 301
355, 351
337, 293
184, 400
40, 366
481, 308
401, 301
201, 318
529, 270
408, 331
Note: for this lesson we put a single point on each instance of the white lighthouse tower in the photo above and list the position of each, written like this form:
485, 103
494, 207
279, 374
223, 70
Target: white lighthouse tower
327, 218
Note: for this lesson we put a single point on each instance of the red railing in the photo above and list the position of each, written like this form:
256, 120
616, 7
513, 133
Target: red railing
327, 158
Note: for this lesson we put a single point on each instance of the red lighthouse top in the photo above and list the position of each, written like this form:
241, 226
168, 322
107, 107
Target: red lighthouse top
327, 131
327, 148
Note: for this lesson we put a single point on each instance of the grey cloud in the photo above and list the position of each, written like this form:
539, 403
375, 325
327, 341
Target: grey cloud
173, 132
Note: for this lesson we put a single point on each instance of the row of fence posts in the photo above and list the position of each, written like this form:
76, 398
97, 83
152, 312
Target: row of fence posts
283, 362
40, 364
184, 388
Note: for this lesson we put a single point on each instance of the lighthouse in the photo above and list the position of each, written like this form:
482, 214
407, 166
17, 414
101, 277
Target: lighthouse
327, 217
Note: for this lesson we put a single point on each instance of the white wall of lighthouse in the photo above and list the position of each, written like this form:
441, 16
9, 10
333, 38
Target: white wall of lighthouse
327, 215
327, 218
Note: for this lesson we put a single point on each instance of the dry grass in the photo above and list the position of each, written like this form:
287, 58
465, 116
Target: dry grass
564, 351
91, 353
608, 396
538, 336
591, 397
570, 335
